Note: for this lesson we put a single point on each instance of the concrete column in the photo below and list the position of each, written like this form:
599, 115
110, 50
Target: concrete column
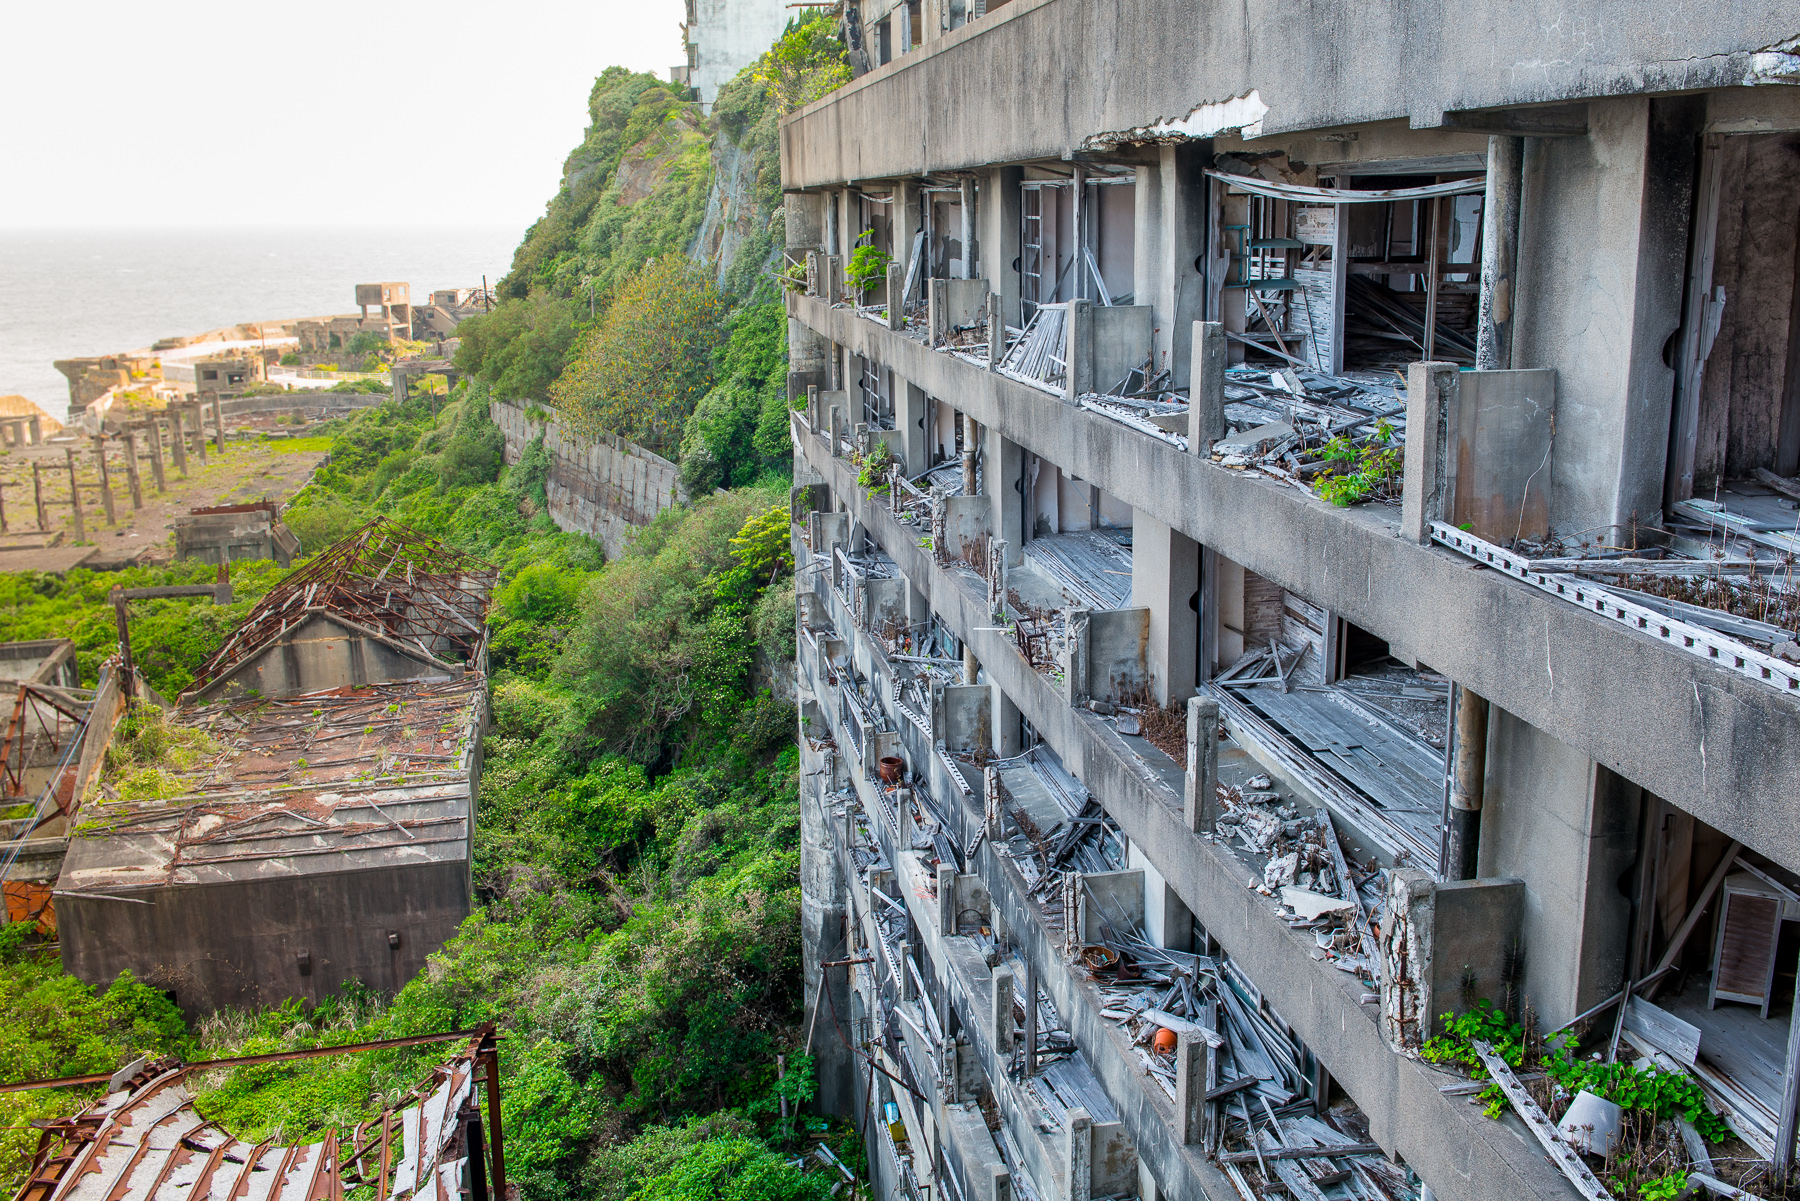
896, 280
1080, 1161
804, 217
178, 441
971, 449
1194, 1071
946, 898
132, 479
106, 494
999, 237
1201, 800
1028, 1061
75, 497
1078, 350
1006, 725
1499, 252
1005, 483
156, 463
910, 406
1569, 828
965, 268
1206, 393
1430, 475
37, 496
219, 426
1003, 1010
971, 665
37, 430
199, 418
1468, 783
822, 940
1165, 578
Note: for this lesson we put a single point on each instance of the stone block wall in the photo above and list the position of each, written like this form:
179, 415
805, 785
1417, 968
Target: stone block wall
604, 487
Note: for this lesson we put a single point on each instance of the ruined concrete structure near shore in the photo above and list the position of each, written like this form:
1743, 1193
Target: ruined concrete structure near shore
1156, 807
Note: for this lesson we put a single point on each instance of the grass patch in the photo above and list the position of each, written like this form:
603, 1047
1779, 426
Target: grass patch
315, 444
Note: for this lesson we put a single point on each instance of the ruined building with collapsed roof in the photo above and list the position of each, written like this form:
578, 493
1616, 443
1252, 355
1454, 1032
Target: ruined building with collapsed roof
1296, 517
313, 824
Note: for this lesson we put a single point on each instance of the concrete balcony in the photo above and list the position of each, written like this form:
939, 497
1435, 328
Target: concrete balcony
1721, 746
1459, 1153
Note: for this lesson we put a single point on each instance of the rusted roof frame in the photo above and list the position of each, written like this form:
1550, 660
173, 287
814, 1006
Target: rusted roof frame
112, 1137
384, 577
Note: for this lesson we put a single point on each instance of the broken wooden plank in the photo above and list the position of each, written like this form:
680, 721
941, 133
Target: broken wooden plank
1330, 1152
1561, 1154
1719, 1188
1787, 487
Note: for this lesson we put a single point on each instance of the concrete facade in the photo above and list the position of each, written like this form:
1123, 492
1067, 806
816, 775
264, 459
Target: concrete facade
722, 37
604, 487
930, 899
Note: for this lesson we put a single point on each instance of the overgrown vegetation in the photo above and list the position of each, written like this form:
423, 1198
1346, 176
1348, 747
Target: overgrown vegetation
1646, 1164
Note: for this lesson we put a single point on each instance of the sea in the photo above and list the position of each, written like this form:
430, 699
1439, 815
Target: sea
72, 293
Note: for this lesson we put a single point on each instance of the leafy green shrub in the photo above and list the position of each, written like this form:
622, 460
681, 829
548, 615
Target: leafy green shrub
1359, 473
645, 368
867, 264
322, 520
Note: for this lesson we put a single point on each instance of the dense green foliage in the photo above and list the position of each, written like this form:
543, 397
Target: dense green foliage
642, 371
170, 638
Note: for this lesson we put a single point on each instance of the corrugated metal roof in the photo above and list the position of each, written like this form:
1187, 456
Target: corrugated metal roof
144, 1141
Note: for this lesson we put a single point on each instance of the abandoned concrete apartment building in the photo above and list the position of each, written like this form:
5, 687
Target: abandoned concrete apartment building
1154, 807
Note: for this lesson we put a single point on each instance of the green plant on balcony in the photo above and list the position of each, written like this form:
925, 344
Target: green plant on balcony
867, 264
872, 476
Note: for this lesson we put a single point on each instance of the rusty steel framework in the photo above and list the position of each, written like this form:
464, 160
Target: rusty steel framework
386, 578
144, 1139
37, 714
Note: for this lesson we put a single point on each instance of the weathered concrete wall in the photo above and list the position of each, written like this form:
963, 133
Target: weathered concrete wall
1196, 68
238, 944
605, 488
323, 652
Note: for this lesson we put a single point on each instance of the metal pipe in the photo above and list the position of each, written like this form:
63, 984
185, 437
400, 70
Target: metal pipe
1467, 784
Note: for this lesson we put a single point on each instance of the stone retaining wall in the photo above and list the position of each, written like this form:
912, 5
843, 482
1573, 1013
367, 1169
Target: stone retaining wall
604, 487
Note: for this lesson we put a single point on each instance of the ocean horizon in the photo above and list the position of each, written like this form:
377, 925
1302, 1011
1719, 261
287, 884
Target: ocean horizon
68, 293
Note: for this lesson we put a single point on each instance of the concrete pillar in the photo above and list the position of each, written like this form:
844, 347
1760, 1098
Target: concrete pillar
1003, 1010
999, 237
1165, 578
132, 479
1078, 350
1430, 475
971, 665
37, 430
1028, 1061
896, 280
1080, 1161
965, 266
156, 463
1201, 800
1195, 1074
37, 496
219, 426
1005, 471
823, 940
75, 497
198, 415
106, 494
1468, 782
804, 218
1614, 389
1007, 741
1569, 828
910, 408
1499, 253
1206, 394
946, 898
178, 441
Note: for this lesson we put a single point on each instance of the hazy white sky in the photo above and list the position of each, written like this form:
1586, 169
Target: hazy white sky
307, 112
